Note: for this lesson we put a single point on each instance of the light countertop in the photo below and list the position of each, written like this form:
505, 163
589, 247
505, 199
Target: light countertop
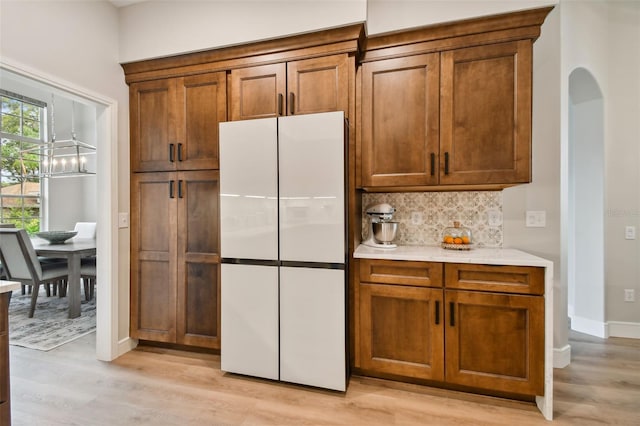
7, 286
487, 256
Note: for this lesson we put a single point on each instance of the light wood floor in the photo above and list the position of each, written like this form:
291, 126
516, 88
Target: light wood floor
152, 386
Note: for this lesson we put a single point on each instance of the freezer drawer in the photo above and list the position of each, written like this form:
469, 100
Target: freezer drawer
312, 327
250, 320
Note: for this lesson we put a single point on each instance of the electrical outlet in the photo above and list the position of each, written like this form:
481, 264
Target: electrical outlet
629, 295
629, 232
536, 219
416, 218
494, 217
123, 220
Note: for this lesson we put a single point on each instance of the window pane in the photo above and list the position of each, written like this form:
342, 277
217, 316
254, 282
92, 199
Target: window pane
31, 129
20, 174
10, 106
11, 124
31, 112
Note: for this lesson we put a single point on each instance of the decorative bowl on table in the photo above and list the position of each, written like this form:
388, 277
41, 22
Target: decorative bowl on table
56, 237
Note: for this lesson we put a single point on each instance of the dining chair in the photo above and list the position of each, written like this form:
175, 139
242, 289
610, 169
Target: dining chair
85, 230
4, 225
21, 263
88, 267
89, 276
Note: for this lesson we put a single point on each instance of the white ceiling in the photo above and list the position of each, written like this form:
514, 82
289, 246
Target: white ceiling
123, 3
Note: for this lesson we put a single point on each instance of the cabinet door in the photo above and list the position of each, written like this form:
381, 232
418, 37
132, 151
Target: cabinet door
201, 105
495, 341
153, 125
486, 114
401, 331
318, 85
198, 299
400, 113
258, 92
153, 256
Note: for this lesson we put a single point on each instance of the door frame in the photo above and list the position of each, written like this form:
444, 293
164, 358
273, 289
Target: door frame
107, 344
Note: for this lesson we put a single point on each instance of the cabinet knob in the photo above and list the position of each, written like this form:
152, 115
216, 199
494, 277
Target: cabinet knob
172, 152
179, 152
171, 189
279, 103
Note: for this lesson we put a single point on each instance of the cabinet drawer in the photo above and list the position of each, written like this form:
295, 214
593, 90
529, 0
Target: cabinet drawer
503, 279
425, 274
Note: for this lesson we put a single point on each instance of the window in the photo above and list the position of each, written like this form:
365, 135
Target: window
22, 128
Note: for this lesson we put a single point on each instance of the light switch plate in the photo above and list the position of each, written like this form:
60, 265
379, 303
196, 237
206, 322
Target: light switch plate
123, 220
536, 219
629, 232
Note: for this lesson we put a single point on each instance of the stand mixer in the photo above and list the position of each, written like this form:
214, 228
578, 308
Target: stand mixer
382, 230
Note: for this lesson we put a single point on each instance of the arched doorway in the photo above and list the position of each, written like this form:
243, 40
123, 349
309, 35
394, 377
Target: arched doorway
585, 250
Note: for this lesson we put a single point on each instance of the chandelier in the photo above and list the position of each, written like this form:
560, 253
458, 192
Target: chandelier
64, 158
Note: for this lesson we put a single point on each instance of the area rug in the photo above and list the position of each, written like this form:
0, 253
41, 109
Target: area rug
50, 326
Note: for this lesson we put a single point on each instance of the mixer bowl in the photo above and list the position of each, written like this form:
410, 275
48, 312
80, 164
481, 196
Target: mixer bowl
384, 232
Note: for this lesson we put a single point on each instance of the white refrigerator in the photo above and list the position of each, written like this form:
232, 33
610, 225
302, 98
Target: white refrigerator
283, 245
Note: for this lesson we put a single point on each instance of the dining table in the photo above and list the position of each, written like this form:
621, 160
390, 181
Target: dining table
73, 250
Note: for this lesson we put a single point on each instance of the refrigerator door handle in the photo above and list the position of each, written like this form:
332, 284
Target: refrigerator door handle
257, 262
312, 265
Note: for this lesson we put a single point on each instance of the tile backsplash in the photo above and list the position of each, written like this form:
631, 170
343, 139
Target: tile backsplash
422, 216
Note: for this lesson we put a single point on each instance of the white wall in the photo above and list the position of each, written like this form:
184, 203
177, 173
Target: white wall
385, 16
586, 171
622, 127
604, 38
76, 42
153, 29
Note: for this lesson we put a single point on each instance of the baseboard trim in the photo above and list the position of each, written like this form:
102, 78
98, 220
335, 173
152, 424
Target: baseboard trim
562, 356
589, 326
125, 345
629, 330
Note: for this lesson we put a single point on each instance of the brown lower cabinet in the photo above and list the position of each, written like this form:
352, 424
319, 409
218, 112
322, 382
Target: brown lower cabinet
402, 332
5, 407
175, 292
483, 340
495, 341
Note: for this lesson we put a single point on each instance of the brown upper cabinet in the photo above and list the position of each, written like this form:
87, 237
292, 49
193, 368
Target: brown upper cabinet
449, 106
485, 114
297, 87
174, 122
400, 121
